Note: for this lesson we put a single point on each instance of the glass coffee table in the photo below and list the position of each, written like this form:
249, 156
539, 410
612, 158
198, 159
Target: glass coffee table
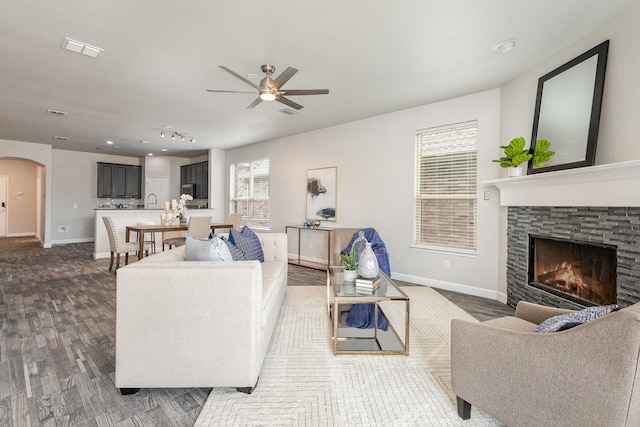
387, 300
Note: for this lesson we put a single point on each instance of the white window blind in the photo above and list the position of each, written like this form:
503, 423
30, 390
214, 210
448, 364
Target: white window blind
446, 187
250, 192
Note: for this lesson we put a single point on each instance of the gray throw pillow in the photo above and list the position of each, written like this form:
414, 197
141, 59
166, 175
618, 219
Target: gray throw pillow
211, 249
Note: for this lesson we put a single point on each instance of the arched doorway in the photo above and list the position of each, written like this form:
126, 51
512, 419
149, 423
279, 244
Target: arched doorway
22, 188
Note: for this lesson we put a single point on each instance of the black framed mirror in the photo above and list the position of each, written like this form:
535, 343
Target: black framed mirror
567, 112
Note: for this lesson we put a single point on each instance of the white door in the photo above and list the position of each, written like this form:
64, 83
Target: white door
4, 183
156, 189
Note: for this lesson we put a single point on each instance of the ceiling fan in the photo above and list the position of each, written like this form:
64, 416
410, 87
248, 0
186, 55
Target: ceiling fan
271, 89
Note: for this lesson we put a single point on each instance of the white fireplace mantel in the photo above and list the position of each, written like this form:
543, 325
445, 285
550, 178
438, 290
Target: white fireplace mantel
613, 184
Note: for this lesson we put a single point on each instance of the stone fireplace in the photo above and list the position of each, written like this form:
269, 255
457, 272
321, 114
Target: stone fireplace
608, 237
596, 209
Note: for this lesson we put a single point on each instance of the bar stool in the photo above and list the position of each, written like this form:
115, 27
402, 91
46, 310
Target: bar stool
152, 236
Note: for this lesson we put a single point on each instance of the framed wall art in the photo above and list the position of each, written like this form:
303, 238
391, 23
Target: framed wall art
322, 194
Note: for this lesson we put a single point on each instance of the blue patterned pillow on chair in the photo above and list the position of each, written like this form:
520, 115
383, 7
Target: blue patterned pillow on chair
569, 320
246, 242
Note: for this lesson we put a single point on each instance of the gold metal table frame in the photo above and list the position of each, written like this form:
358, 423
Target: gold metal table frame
346, 340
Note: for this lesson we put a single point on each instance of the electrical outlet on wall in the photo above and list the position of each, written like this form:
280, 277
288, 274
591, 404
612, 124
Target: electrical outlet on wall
446, 265
62, 229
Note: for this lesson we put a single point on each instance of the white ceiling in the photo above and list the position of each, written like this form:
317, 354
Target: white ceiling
159, 58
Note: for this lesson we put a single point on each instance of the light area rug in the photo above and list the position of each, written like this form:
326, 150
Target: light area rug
303, 384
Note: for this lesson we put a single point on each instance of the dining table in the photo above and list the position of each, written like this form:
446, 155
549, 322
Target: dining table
149, 228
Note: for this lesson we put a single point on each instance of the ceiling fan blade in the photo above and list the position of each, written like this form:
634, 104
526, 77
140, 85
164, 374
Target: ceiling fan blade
305, 92
257, 101
233, 73
289, 103
285, 76
228, 91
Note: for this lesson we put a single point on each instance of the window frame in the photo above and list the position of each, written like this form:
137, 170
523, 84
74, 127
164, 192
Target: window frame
251, 199
468, 148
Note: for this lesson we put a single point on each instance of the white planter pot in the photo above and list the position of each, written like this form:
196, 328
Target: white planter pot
516, 171
350, 276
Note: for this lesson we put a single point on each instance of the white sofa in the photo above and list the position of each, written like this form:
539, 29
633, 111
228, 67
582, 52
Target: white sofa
197, 323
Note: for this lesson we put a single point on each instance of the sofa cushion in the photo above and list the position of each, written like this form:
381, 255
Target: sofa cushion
248, 243
211, 249
569, 320
511, 323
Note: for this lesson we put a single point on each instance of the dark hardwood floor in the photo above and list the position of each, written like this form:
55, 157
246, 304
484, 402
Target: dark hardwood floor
57, 342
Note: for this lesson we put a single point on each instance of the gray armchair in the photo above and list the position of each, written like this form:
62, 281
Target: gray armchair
578, 377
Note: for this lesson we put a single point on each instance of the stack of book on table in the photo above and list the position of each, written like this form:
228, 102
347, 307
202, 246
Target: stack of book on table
367, 286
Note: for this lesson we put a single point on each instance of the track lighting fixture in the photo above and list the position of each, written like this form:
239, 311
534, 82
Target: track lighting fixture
175, 135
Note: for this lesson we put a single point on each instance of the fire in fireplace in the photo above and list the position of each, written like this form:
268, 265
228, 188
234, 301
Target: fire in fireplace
579, 271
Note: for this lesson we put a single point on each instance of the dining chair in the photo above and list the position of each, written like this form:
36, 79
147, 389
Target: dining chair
200, 226
171, 238
118, 246
235, 219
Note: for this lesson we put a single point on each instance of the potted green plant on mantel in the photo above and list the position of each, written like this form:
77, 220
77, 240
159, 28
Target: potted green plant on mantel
349, 261
515, 155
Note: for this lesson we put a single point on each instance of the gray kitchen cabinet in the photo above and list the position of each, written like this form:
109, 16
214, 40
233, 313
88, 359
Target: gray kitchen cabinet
119, 181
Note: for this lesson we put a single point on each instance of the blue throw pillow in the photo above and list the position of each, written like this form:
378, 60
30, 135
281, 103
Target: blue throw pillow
569, 320
236, 253
248, 242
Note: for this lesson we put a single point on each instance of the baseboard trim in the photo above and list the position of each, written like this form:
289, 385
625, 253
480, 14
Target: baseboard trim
69, 241
449, 286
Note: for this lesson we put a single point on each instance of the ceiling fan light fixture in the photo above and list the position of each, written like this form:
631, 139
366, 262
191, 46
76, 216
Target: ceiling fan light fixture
267, 95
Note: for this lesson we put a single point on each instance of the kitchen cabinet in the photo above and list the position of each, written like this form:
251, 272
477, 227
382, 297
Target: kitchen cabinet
119, 181
198, 174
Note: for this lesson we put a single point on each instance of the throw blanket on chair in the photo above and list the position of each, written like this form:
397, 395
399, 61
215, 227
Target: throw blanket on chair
362, 316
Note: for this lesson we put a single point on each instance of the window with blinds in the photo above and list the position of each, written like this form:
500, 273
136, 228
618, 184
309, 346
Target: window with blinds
446, 187
250, 192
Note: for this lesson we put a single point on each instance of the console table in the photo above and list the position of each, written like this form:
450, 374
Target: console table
311, 264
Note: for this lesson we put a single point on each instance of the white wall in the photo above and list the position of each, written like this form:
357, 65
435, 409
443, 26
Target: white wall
619, 124
375, 160
217, 193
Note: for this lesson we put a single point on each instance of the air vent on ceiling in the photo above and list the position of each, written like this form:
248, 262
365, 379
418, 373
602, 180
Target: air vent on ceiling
57, 113
288, 111
61, 138
81, 47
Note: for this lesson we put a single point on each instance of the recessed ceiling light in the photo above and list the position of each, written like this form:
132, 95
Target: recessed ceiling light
150, 154
109, 142
163, 149
505, 46
81, 47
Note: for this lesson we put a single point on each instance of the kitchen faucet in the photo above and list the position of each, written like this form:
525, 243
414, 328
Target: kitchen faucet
155, 200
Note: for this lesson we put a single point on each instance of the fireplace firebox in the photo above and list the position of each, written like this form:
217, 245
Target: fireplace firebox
582, 272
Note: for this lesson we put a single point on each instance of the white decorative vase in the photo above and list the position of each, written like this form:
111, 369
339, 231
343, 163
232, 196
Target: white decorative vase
350, 276
368, 263
516, 171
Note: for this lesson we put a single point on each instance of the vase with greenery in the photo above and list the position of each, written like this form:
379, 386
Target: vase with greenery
350, 265
514, 155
